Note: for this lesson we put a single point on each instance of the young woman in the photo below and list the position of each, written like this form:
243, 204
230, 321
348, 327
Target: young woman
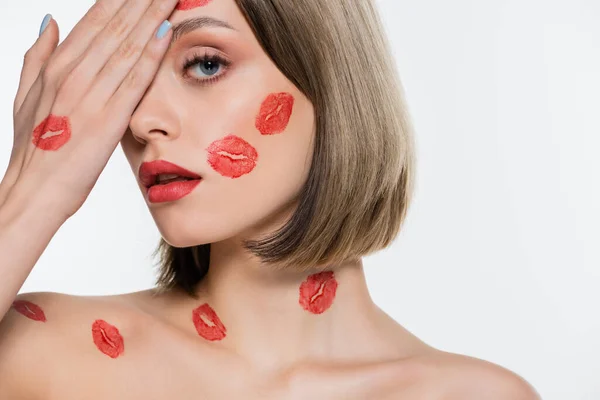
271, 142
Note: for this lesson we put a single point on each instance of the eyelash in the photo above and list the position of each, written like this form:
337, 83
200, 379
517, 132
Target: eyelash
201, 59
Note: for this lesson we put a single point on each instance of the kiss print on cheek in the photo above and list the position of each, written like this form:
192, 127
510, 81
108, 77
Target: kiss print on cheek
52, 133
274, 114
318, 291
189, 4
30, 310
232, 156
207, 323
107, 338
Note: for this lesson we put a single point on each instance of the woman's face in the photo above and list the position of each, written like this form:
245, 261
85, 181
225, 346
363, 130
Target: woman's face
190, 114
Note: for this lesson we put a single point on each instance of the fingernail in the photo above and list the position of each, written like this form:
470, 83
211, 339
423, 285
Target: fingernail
163, 29
45, 22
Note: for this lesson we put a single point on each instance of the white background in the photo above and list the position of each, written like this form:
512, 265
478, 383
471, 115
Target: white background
499, 258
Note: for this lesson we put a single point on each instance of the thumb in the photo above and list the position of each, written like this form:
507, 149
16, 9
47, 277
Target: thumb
35, 58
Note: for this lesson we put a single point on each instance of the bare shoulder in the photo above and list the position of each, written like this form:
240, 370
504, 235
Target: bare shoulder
44, 328
449, 376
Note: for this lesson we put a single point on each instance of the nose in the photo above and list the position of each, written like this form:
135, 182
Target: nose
155, 117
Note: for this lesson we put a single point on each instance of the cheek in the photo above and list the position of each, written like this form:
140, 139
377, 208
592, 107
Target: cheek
275, 112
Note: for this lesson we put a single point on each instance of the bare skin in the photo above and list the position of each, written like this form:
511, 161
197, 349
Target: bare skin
274, 349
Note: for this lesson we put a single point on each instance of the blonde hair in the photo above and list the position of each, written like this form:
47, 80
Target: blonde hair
360, 182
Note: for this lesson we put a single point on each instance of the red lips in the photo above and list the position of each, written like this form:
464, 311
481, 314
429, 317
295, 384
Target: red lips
318, 291
107, 338
189, 4
149, 170
274, 114
212, 328
52, 124
232, 156
30, 310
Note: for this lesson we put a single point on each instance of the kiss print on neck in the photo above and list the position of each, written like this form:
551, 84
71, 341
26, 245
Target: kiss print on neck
52, 133
107, 338
318, 291
30, 310
189, 4
207, 323
274, 114
232, 156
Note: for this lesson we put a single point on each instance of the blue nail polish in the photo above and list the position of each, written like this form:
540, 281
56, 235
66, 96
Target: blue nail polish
163, 29
45, 22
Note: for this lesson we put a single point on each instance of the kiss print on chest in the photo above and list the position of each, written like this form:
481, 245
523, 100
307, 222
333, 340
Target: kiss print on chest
274, 114
52, 133
318, 291
207, 323
30, 310
107, 338
232, 156
189, 4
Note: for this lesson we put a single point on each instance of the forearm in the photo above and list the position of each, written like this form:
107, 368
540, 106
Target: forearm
26, 228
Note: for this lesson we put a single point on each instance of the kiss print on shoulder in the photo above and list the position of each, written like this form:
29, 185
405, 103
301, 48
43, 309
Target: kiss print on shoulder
107, 338
232, 156
207, 323
189, 4
52, 133
275, 112
30, 310
317, 292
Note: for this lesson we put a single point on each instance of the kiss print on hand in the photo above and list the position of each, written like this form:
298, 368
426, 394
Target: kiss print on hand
232, 156
189, 4
107, 338
52, 133
30, 310
207, 323
318, 291
274, 114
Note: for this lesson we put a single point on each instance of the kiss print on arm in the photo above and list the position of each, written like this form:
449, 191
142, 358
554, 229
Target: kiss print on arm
107, 338
52, 133
318, 291
207, 323
29, 309
274, 114
232, 156
189, 4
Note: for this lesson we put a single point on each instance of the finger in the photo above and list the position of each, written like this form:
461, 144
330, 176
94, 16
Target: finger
136, 82
35, 58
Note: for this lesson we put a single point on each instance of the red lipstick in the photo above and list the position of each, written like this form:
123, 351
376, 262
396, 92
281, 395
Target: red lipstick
211, 329
274, 114
182, 183
318, 291
30, 310
107, 338
52, 123
232, 156
189, 4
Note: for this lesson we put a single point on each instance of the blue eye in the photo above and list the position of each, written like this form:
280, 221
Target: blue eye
208, 66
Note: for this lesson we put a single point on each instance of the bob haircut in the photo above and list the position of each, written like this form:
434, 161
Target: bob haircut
360, 182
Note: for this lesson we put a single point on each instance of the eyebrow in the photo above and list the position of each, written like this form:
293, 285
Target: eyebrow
192, 24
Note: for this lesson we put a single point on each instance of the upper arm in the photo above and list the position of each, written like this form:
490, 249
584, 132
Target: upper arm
22, 350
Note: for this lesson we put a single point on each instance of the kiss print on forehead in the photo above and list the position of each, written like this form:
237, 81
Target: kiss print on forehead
29, 309
318, 291
207, 323
189, 4
232, 156
274, 114
52, 133
107, 338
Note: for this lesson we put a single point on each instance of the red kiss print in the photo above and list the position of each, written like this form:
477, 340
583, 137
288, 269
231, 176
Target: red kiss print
207, 323
318, 291
52, 124
107, 338
29, 309
275, 113
232, 156
189, 4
